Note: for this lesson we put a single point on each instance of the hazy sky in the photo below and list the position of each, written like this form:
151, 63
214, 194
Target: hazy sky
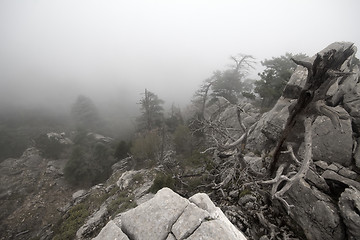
50, 51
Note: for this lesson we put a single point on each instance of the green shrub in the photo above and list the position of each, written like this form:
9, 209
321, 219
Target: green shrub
196, 159
138, 178
162, 180
74, 219
78, 170
122, 150
244, 192
12, 142
50, 147
121, 204
146, 146
192, 184
89, 164
183, 140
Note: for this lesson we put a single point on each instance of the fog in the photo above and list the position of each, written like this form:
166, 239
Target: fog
110, 51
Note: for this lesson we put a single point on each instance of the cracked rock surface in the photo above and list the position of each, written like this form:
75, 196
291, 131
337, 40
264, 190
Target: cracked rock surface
169, 216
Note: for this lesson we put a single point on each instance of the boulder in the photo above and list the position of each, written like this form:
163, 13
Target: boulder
203, 201
331, 144
296, 83
345, 172
111, 231
56, 167
31, 158
246, 199
318, 181
255, 162
154, 218
125, 179
172, 217
100, 138
59, 137
333, 176
79, 193
321, 164
346, 91
189, 220
314, 212
349, 204
269, 128
211, 230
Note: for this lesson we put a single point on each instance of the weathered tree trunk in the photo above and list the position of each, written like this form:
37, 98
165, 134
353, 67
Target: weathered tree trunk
203, 104
147, 110
322, 73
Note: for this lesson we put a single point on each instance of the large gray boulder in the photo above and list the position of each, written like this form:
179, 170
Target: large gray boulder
346, 91
331, 144
111, 231
349, 204
212, 230
296, 83
189, 221
169, 216
352, 104
269, 128
314, 212
203, 201
154, 218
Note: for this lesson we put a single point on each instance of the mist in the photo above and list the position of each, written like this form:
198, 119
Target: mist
110, 51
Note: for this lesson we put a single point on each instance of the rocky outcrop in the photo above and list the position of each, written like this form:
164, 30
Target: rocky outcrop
351, 98
170, 216
315, 212
331, 144
59, 137
32, 195
317, 208
93, 222
111, 231
349, 204
269, 128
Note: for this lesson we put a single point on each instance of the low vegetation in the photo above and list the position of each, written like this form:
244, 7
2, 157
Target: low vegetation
90, 161
121, 203
162, 180
73, 220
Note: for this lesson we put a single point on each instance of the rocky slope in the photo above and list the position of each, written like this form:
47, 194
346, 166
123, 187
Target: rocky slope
36, 202
33, 193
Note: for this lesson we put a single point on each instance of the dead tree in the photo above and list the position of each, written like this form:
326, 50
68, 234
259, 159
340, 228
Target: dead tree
203, 94
229, 171
243, 61
322, 73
